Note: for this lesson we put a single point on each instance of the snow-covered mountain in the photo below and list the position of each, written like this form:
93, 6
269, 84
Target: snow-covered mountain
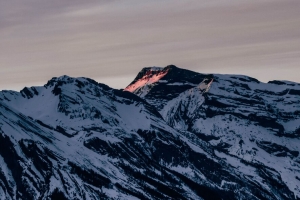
249, 124
171, 134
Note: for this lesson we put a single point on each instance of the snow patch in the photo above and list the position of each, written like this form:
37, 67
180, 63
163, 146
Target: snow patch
146, 80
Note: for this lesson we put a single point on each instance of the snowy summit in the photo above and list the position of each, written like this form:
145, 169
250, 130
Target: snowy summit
171, 134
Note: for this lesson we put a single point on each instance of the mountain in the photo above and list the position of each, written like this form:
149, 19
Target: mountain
171, 134
248, 123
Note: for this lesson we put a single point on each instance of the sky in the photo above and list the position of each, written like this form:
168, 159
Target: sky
112, 40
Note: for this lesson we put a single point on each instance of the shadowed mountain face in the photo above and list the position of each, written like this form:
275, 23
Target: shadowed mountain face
172, 134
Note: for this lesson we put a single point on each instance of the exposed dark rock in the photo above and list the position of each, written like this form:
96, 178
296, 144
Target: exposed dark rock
276, 149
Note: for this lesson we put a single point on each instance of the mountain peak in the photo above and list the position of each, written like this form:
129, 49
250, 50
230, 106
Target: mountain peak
170, 76
150, 75
75, 138
146, 76
171, 67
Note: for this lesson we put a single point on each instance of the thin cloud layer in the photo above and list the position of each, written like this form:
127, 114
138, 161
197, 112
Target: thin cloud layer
40, 39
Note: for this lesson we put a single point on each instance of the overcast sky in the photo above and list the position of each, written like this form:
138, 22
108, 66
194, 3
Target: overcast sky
112, 40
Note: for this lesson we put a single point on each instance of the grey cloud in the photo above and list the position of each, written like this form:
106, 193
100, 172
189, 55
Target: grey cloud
101, 39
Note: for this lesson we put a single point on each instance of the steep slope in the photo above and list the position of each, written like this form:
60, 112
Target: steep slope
71, 103
76, 139
247, 123
190, 136
169, 83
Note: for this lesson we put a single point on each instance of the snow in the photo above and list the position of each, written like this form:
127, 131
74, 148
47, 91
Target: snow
182, 170
180, 84
193, 146
242, 130
133, 116
205, 86
187, 102
291, 125
121, 117
227, 183
146, 80
115, 194
3, 195
246, 170
8, 175
6, 171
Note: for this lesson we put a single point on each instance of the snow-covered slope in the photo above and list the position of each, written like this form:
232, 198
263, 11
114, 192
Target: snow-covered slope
76, 139
173, 82
148, 76
190, 136
249, 124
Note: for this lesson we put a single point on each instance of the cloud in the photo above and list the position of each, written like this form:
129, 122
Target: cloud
99, 39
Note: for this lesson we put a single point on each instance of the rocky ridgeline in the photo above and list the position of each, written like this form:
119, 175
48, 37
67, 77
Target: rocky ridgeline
172, 134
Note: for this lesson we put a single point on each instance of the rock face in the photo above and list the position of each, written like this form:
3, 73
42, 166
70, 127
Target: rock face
172, 134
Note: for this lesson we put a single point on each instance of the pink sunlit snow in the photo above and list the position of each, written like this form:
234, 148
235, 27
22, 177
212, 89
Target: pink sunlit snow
149, 78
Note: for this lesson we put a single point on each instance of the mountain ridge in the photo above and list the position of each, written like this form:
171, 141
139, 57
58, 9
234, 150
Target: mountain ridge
181, 135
